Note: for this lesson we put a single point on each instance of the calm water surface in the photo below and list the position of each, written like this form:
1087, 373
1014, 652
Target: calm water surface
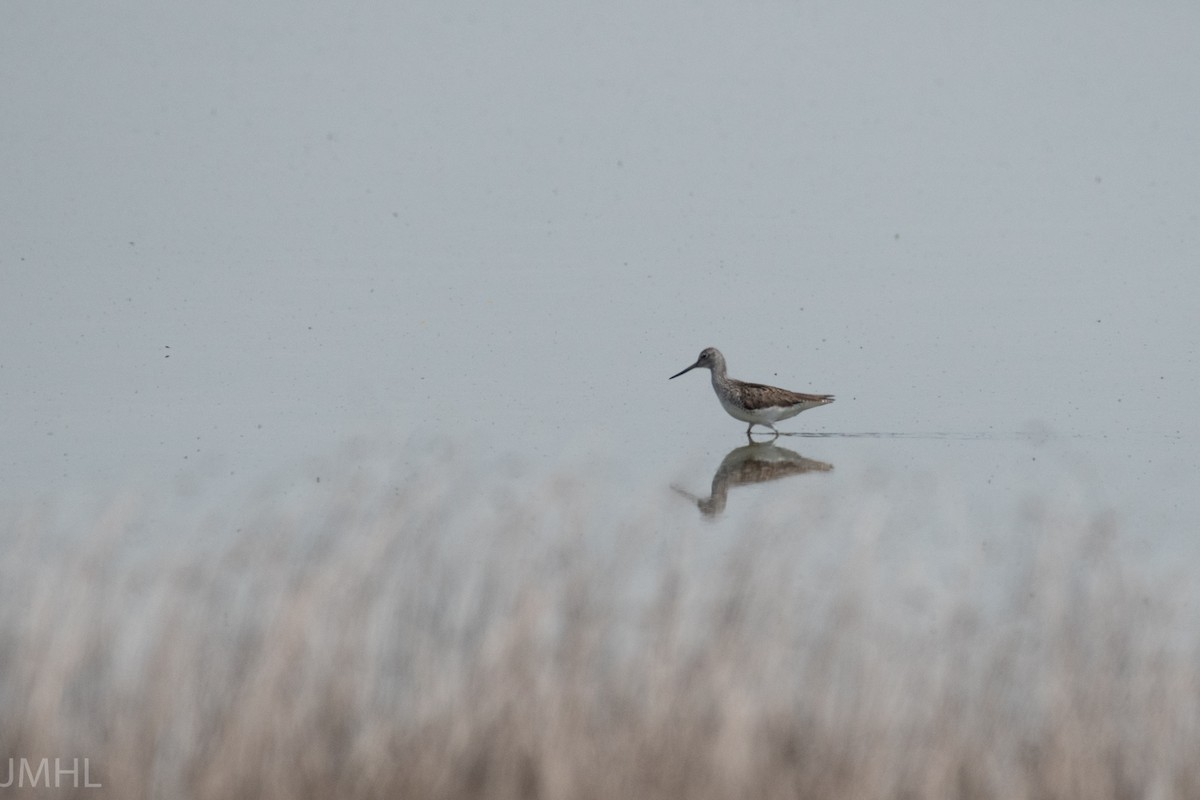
219, 284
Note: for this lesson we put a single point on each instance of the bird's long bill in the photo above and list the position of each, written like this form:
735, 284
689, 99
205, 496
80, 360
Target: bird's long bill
689, 369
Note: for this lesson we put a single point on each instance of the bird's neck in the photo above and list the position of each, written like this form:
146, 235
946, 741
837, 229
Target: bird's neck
718, 374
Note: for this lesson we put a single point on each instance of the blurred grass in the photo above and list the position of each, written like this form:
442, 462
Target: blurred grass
424, 638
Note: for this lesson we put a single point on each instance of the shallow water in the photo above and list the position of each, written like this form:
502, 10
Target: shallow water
414, 226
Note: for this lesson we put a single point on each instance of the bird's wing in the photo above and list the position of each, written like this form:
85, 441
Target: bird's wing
757, 395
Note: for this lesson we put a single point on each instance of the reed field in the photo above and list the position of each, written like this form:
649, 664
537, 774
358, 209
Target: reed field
426, 636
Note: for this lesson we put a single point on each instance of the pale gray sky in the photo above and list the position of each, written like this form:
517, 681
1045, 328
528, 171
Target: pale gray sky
519, 220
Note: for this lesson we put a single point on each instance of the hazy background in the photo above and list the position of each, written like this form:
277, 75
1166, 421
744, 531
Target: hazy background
234, 239
338, 455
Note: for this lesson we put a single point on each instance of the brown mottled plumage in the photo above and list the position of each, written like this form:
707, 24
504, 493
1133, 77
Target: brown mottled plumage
757, 395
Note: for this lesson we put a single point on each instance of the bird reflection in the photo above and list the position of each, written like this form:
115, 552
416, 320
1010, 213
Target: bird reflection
753, 463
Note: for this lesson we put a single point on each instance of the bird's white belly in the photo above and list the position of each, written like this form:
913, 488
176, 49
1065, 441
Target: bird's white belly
771, 414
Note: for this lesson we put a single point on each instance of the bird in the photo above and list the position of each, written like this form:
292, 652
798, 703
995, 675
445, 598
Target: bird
754, 403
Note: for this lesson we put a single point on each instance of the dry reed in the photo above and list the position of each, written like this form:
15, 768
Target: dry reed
392, 640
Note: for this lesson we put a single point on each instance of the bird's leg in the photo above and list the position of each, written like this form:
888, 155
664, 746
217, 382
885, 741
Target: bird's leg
750, 428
